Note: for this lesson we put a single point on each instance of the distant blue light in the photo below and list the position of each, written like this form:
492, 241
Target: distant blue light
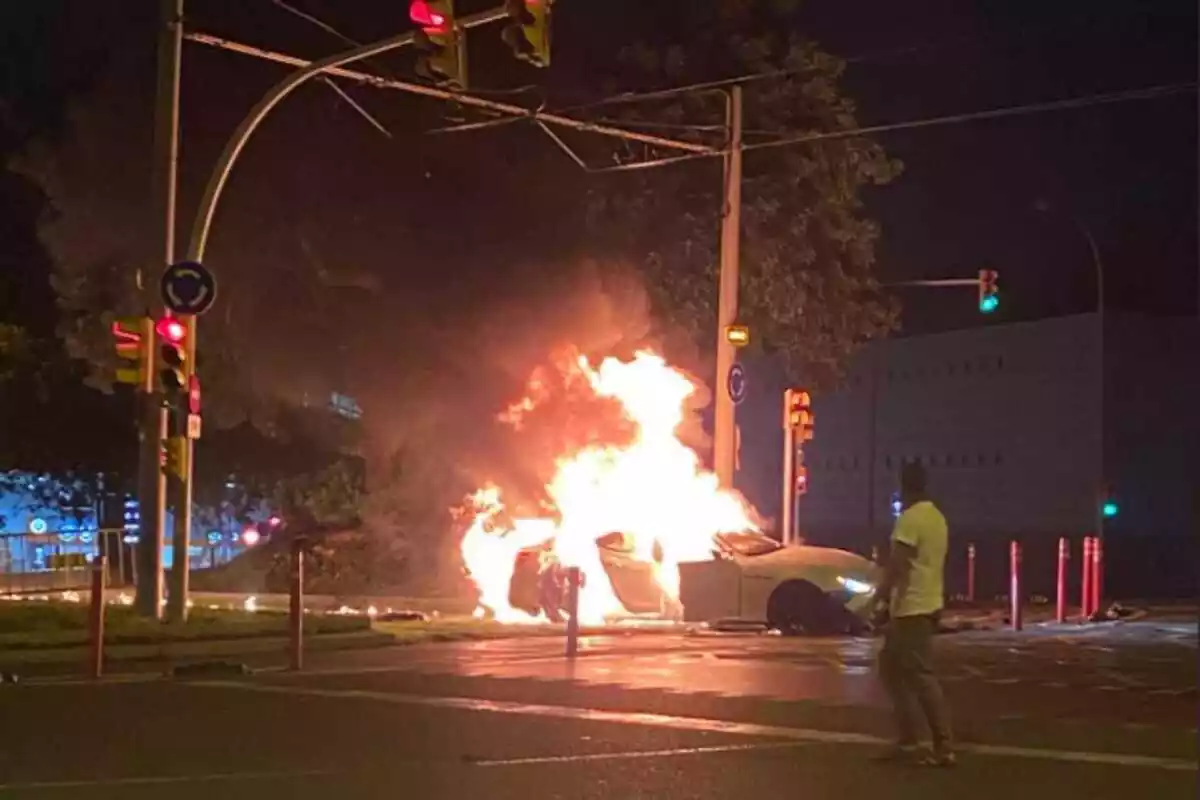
989, 304
1109, 509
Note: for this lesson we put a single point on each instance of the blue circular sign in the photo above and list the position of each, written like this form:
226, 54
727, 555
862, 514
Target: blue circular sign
735, 383
188, 288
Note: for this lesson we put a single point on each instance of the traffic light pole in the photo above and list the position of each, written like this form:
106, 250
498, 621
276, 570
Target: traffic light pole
152, 482
727, 300
170, 59
788, 525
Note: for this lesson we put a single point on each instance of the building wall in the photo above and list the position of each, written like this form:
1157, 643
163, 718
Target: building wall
1004, 418
1009, 420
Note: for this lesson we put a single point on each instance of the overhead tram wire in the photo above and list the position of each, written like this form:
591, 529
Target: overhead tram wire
1027, 109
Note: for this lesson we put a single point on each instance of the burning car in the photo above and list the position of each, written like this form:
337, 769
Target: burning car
649, 527
753, 578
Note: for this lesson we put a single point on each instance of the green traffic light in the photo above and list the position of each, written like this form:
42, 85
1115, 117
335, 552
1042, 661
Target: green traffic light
989, 304
1109, 509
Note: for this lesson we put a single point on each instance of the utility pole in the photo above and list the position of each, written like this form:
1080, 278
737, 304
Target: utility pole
172, 54
152, 483
727, 301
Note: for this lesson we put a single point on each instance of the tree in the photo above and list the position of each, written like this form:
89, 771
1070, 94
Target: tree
808, 289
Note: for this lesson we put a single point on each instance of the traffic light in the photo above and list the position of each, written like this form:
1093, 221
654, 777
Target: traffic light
132, 337
529, 32
737, 335
173, 359
173, 456
441, 56
1109, 507
989, 292
798, 415
801, 481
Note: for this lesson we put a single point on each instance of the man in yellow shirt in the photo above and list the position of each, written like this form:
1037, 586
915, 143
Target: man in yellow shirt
913, 586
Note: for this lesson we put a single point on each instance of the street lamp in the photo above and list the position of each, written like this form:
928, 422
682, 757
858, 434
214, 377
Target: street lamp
1104, 509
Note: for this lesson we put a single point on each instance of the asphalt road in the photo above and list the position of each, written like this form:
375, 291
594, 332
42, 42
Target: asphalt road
1049, 714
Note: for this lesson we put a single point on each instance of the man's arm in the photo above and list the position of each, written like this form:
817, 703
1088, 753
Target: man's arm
899, 564
900, 559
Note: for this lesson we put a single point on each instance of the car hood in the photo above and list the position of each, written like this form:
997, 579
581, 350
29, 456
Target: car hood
806, 558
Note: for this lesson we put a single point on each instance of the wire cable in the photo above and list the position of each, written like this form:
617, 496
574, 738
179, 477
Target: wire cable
1108, 98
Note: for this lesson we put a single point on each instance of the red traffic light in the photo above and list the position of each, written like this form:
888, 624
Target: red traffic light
171, 329
431, 21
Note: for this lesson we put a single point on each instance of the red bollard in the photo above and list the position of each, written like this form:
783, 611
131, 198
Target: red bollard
573, 611
296, 607
1097, 574
1085, 591
96, 617
970, 573
1064, 555
1014, 591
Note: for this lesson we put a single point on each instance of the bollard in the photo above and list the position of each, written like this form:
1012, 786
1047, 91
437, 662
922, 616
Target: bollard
573, 611
1014, 591
296, 607
970, 573
96, 617
1085, 586
1097, 575
1060, 604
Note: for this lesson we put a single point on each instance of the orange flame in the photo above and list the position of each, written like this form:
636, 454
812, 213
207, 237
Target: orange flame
652, 489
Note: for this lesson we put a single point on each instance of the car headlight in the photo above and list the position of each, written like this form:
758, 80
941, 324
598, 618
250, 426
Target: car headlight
855, 586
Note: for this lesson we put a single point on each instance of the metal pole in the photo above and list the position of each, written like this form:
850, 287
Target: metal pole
727, 300
787, 525
296, 607
573, 576
1014, 592
1100, 382
169, 58
872, 366
1060, 605
1085, 586
971, 573
96, 618
152, 482
1097, 575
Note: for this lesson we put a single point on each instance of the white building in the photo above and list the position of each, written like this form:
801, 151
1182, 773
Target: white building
1021, 436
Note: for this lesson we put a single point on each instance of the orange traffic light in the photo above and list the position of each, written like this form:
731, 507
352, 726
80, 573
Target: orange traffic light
798, 414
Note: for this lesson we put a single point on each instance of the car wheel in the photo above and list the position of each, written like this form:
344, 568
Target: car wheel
799, 607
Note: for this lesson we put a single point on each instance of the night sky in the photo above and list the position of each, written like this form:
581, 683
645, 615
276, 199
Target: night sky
465, 232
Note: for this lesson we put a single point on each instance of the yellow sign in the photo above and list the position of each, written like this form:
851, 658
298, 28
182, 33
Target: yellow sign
737, 335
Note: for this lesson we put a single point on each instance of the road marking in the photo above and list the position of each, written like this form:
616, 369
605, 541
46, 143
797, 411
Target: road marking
701, 724
678, 751
159, 780
72, 680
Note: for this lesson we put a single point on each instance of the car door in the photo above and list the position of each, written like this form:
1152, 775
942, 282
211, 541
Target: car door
633, 580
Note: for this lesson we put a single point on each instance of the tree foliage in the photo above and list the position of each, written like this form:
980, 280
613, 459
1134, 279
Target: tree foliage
807, 286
